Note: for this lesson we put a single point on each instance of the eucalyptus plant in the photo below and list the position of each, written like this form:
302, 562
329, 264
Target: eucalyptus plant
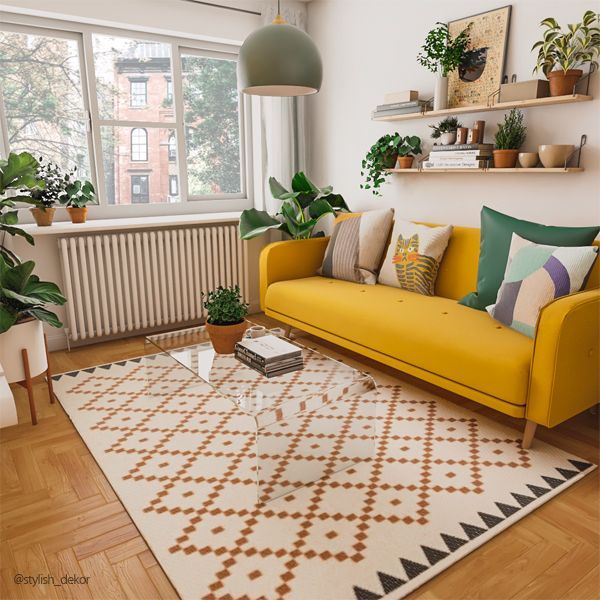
571, 49
446, 125
441, 52
56, 182
512, 132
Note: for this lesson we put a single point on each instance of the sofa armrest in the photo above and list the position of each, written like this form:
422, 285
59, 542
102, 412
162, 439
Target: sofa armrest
292, 259
565, 378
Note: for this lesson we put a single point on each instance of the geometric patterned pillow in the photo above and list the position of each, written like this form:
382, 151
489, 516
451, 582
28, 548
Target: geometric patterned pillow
535, 275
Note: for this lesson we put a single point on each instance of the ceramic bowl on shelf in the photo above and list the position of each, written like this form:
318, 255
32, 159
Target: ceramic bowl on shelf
555, 155
528, 160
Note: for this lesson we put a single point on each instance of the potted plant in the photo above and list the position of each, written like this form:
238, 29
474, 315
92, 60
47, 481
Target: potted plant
443, 54
77, 195
560, 54
225, 322
445, 130
51, 194
409, 148
509, 138
382, 155
301, 209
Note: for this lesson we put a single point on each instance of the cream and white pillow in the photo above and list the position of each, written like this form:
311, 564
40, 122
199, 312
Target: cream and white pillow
414, 256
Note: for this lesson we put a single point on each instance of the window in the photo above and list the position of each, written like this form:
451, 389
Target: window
139, 189
139, 144
138, 93
173, 185
169, 94
172, 148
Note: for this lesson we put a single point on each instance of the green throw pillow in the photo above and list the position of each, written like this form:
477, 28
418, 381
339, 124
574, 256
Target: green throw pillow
496, 235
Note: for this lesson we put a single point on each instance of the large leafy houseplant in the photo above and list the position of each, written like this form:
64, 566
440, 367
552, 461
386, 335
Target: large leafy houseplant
301, 209
382, 155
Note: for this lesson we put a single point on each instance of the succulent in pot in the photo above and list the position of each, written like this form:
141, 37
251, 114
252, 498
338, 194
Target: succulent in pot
509, 138
561, 54
382, 156
226, 321
78, 194
410, 147
445, 130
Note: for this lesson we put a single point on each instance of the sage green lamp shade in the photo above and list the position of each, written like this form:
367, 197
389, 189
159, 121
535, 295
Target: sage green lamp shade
279, 60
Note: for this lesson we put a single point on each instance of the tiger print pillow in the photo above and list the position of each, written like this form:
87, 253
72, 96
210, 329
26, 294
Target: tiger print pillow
413, 256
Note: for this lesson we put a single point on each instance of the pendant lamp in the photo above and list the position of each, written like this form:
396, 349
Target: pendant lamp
279, 60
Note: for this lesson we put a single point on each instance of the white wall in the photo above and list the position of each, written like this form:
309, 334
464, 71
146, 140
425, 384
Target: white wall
369, 47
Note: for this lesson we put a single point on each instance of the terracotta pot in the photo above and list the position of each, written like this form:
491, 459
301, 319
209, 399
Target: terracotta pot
561, 83
225, 337
405, 162
78, 215
43, 216
505, 159
389, 160
528, 160
555, 155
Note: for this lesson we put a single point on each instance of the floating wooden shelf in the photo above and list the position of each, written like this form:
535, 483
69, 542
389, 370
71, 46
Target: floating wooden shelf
494, 171
476, 108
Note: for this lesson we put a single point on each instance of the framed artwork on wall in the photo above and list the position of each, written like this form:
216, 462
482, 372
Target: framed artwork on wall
480, 74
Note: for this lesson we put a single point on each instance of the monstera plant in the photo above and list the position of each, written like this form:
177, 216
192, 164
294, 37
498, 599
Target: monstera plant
301, 209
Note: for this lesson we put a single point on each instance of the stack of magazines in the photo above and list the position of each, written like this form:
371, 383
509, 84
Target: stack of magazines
400, 108
269, 355
459, 156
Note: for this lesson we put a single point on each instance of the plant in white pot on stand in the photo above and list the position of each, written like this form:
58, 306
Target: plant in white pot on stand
442, 54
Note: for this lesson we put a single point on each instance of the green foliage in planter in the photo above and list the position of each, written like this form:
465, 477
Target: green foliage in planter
23, 295
570, 49
17, 176
511, 134
381, 156
410, 146
56, 182
446, 125
78, 194
442, 52
225, 306
301, 209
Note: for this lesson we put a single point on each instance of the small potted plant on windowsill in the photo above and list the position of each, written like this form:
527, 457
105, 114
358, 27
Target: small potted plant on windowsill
51, 194
561, 54
77, 195
382, 155
226, 321
410, 147
445, 130
509, 138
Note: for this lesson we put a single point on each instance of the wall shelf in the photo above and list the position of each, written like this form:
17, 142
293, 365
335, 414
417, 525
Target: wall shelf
476, 108
494, 171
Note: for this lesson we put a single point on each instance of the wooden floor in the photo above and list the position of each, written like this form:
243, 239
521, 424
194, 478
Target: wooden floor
59, 515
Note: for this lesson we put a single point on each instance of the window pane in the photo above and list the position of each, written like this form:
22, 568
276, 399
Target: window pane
41, 85
211, 103
137, 167
131, 78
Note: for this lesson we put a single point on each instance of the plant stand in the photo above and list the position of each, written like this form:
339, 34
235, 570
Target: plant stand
27, 383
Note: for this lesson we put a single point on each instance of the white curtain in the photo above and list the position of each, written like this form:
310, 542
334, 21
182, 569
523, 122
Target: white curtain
282, 120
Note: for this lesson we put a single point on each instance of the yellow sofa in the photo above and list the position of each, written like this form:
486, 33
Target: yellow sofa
545, 380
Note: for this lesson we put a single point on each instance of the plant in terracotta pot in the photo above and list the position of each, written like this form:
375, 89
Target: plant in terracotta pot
78, 194
561, 54
225, 322
410, 147
382, 156
51, 194
445, 130
509, 138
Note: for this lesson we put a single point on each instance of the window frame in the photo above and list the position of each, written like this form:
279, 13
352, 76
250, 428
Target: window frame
187, 204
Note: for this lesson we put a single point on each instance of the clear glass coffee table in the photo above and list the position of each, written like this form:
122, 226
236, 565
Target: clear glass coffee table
309, 423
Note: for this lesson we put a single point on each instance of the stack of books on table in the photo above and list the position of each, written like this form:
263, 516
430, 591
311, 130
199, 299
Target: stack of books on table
400, 108
269, 355
459, 156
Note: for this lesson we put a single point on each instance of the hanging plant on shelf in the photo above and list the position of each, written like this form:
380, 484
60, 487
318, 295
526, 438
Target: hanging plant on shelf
382, 155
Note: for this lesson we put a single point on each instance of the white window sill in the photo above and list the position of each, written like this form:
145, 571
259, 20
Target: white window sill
65, 227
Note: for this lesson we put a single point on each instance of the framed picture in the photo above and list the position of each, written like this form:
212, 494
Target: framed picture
480, 74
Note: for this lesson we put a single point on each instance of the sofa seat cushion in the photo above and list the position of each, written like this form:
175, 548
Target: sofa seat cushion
429, 332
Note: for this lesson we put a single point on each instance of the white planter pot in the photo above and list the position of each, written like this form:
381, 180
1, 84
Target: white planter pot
440, 96
448, 137
8, 410
28, 335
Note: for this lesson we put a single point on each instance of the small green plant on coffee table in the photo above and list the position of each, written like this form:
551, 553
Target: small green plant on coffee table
443, 53
381, 156
512, 132
447, 125
410, 146
225, 306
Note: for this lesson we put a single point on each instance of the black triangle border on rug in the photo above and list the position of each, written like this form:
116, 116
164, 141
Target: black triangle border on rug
105, 366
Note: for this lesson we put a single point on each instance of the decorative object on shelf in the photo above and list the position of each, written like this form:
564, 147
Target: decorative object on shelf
461, 135
528, 160
560, 54
410, 147
524, 90
78, 194
382, 155
555, 155
279, 60
301, 209
479, 127
509, 138
225, 322
443, 53
397, 97
51, 194
445, 130
480, 72
459, 156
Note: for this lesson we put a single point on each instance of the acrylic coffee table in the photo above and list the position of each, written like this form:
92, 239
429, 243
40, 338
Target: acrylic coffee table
309, 424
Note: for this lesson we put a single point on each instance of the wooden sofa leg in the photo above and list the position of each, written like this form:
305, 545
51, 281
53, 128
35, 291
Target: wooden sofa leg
287, 331
528, 434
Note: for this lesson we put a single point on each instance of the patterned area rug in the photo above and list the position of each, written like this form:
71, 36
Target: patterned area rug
442, 482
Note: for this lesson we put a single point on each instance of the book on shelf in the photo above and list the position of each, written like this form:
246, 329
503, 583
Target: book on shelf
456, 147
396, 105
415, 107
268, 349
456, 164
273, 369
460, 155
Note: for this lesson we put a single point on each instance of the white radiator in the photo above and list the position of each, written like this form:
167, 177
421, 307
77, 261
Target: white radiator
120, 283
